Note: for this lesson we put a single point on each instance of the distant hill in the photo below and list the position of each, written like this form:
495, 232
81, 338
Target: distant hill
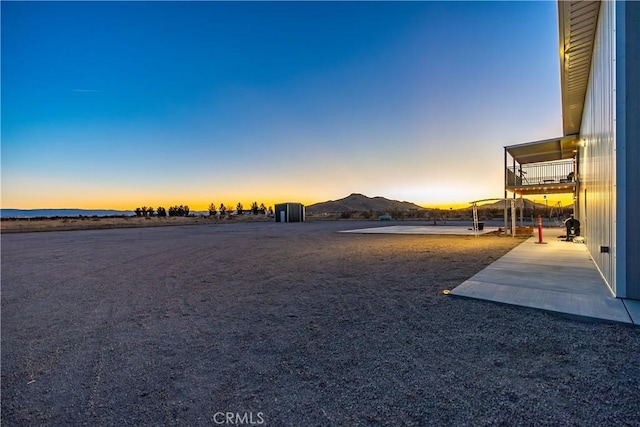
360, 203
528, 204
48, 213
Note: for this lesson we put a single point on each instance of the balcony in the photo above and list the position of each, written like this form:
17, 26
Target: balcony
550, 177
542, 167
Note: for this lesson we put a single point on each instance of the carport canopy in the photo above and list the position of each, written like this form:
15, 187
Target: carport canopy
546, 150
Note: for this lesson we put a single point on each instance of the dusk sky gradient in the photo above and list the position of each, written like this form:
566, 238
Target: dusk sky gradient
122, 104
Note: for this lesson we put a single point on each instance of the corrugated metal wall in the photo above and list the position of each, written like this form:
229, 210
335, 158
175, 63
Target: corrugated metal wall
628, 146
597, 154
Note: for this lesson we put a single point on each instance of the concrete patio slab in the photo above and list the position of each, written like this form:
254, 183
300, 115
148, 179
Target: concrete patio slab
557, 276
633, 308
422, 229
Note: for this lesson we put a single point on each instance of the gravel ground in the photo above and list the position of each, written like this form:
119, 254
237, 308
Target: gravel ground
290, 324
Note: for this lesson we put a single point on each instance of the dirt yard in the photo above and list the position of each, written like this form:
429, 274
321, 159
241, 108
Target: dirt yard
21, 225
290, 324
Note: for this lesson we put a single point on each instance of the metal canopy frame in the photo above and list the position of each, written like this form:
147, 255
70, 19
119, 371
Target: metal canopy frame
474, 204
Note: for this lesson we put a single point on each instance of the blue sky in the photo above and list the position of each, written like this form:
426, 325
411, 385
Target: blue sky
122, 104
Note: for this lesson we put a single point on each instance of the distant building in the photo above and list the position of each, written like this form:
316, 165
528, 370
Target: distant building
289, 212
250, 212
596, 158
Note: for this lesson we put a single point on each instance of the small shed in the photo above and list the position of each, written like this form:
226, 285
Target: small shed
289, 212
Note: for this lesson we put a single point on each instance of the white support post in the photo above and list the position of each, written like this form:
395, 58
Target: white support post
475, 219
513, 217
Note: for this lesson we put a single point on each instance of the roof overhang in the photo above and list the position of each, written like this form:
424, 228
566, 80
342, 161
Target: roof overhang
546, 150
577, 28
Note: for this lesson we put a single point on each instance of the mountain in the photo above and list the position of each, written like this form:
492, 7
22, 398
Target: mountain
48, 213
360, 203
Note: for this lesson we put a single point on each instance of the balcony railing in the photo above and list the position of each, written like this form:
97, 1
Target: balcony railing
560, 172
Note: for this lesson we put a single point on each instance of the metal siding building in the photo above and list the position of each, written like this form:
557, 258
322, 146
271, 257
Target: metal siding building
609, 147
629, 128
600, 85
628, 148
289, 212
597, 198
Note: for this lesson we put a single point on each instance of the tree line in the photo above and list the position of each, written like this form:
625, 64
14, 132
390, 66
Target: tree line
255, 209
183, 210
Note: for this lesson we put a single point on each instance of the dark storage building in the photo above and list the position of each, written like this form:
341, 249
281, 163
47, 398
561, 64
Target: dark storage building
289, 212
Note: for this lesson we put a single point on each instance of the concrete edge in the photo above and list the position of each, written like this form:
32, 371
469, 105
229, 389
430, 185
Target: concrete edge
569, 316
633, 309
